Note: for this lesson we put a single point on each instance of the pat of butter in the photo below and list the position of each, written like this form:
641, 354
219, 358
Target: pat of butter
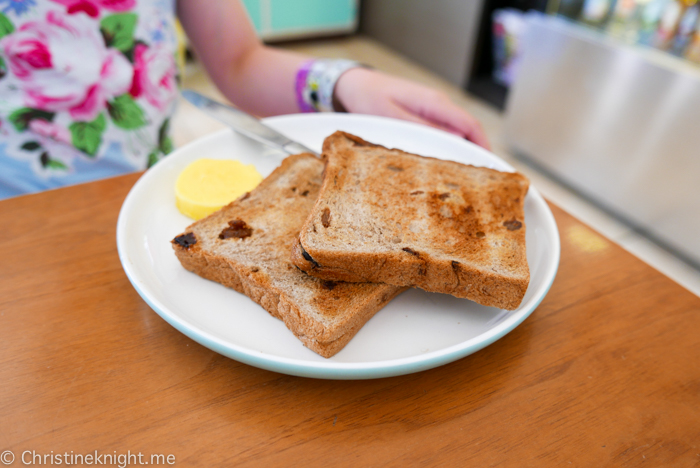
206, 185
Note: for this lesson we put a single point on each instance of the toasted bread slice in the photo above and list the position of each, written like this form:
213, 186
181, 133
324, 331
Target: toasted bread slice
387, 216
246, 245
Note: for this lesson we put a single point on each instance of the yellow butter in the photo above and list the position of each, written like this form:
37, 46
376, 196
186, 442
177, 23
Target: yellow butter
206, 185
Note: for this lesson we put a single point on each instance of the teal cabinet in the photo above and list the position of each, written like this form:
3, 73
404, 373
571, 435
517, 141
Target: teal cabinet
290, 19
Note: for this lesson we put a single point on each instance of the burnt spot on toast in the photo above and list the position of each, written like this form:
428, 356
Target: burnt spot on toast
326, 217
185, 240
423, 266
455, 269
303, 193
308, 257
329, 285
458, 215
236, 229
417, 192
513, 224
391, 167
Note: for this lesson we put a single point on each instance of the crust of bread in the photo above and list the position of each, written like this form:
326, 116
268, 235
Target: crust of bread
385, 215
323, 315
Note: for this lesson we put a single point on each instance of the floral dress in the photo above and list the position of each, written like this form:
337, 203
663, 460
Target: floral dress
86, 89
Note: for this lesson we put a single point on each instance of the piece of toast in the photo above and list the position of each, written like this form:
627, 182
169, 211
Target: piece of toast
246, 245
387, 216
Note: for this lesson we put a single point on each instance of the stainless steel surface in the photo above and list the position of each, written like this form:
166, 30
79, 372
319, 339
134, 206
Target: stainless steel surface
438, 34
245, 123
618, 123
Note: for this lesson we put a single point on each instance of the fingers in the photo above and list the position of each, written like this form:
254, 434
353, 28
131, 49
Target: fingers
371, 92
473, 132
437, 108
397, 111
464, 126
453, 116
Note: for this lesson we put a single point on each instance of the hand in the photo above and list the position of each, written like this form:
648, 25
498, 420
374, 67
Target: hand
365, 91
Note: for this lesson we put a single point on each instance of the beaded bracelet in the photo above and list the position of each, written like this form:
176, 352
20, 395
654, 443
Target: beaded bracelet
316, 81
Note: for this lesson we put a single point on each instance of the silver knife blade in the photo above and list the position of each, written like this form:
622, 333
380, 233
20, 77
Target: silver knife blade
245, 123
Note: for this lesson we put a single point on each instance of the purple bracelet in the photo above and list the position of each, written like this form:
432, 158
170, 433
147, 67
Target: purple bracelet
315, 83
300, 86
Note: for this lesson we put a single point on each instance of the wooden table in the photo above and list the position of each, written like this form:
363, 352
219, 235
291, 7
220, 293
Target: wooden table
606, 371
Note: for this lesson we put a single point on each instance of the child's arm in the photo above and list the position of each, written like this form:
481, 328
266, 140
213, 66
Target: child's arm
256, 78
261, 79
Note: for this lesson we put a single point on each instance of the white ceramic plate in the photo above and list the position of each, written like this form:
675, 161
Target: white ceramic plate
416, 331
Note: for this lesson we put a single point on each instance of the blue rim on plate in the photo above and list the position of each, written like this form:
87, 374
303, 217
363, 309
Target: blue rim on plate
140, 249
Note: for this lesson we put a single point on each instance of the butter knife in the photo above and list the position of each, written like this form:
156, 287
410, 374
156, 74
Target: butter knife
245, 124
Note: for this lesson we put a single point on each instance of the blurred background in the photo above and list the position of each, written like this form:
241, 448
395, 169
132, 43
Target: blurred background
597, 101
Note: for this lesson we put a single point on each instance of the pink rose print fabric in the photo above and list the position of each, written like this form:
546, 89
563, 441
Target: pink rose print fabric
92, 7
85, 86
154, 76
80, 83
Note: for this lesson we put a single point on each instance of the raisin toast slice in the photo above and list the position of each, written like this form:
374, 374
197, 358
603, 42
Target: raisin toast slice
246, 245
387, 216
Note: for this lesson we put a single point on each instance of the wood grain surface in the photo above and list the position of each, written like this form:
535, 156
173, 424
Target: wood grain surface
606, 371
